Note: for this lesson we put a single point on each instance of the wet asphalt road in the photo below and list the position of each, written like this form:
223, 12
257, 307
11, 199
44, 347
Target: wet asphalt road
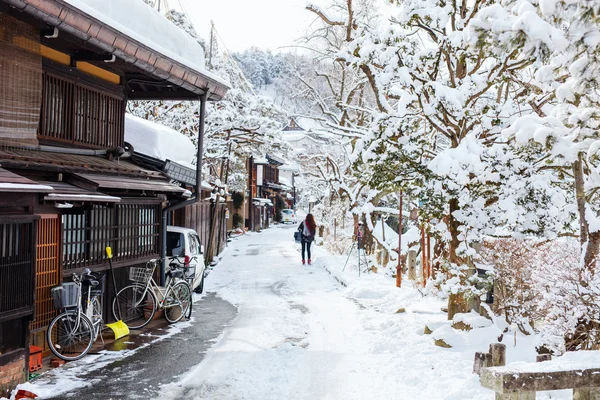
140, 375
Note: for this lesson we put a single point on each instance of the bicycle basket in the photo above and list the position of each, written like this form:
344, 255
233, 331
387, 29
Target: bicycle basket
65, 295
141, 274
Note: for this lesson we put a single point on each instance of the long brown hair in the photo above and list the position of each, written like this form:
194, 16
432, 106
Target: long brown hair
310, 221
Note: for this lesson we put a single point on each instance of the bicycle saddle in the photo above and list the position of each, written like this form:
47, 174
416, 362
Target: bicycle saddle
90, 282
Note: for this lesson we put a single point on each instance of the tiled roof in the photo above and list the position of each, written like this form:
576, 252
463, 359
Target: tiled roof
74, 163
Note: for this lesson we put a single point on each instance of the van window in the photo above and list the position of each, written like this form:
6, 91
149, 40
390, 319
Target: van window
175, 244
194, 244
287, 211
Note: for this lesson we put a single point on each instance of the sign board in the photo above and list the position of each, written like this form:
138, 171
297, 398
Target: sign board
259, 175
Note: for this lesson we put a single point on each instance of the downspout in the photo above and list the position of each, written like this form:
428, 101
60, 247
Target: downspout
194, 199
250, 195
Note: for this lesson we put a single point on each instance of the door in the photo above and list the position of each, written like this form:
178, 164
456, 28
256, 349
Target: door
48, 274
197, 258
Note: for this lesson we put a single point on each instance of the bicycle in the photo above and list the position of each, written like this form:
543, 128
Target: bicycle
138, 302
72, 333
189, 274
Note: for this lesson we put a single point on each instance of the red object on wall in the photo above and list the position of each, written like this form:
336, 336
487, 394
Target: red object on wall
35, 358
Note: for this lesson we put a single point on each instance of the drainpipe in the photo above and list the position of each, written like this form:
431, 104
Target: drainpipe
250, 196
194, 199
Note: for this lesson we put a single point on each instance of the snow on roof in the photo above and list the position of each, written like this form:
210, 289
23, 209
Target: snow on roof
289, 167
7, 186
142, 23
260, 160
158, 141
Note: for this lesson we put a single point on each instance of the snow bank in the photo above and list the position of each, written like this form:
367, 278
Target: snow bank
572, 360
158, 141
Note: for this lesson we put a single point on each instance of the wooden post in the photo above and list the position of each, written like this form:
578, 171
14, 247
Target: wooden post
498, 352
429, 269
423, 258
335, 230
482, 360
399, 266
411, 263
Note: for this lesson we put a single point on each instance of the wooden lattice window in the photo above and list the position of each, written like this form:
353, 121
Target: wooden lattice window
139, 227
48, 269
73, 112
17, 253
132, 230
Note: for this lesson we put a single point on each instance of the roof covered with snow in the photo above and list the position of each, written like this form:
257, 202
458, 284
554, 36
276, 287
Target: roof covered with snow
144, 24
159, 141
140, 38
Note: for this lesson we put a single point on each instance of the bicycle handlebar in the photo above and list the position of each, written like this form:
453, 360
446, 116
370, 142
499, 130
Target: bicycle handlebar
178, 258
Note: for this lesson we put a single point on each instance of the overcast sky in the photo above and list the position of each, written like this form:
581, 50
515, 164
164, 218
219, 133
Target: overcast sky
268, 24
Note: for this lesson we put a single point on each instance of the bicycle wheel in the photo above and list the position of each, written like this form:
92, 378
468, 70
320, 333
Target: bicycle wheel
137, 306
177, 301
70, 335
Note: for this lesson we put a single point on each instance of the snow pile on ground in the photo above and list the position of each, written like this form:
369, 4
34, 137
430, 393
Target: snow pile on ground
158, 141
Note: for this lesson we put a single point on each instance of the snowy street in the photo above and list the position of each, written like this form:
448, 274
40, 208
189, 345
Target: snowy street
300, 334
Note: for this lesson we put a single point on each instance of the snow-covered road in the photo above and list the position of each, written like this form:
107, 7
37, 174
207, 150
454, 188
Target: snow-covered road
300, 334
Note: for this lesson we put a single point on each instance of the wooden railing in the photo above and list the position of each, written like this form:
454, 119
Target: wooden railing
522, 381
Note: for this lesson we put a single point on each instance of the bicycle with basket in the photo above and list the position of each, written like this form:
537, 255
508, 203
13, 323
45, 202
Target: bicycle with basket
72, 333
139, 301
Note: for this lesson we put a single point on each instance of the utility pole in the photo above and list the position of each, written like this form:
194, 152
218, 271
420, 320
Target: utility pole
399, 267
210, 47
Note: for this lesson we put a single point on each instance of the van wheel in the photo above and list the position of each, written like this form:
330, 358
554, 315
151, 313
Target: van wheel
200, 288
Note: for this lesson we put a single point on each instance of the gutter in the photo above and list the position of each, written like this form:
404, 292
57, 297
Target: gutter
194, 199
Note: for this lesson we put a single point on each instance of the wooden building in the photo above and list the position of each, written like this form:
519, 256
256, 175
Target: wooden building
68, 187
263, 188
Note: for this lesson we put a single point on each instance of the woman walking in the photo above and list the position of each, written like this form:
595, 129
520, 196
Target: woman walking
308, 227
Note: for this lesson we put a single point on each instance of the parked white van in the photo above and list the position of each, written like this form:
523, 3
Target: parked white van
184, 244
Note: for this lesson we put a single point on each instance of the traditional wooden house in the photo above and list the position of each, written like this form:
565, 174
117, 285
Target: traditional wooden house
68, 187
159, 148
263, 188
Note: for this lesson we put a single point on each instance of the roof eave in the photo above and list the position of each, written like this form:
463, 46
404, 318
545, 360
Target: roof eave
65, 17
